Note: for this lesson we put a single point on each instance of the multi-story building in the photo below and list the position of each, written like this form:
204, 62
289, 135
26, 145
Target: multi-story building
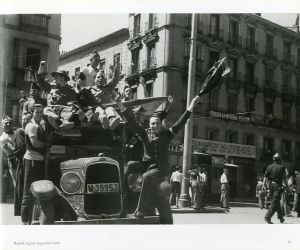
251, 114
25, 41
112, 49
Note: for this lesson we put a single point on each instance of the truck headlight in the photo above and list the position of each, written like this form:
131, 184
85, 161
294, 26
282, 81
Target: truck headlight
135, 182
70, 182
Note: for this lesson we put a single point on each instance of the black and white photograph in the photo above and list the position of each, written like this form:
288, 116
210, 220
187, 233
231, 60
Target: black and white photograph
124, 123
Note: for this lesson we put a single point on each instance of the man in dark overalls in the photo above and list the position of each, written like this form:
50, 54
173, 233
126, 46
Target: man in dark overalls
156, 142
275, 174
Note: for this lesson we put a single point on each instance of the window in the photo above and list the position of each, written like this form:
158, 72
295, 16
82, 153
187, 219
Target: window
249, 139
195, 131
269, 108
249, 76
35, 21
135, 56
250, 41
151, 57
270, 45
137, 25
270, 78
232, 103
33, 58
268, 145
233, 31
213, 57
233, 68
149, 88
286, 78
152, 21
232, 137
249, 103
215, 24
212, 134
286, 51
286, 111
286, 150
213, 97
188, 20
102, 65
117, 59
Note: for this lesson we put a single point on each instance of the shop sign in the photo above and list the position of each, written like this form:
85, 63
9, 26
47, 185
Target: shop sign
217, 147
233, 117
224, 148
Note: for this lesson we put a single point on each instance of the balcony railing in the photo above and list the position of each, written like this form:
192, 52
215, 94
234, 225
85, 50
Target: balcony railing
270, 84
288, 58
216, 33
133, 70
37, 22
151, 24
149, 64
287, 89
270, 52
251, 45
235, 39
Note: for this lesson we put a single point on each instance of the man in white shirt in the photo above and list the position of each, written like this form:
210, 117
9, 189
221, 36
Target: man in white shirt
176, 179
202, 187
33, 159
7, 144
91, 70
224, 190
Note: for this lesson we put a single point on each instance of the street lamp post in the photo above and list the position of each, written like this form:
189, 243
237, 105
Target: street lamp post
184, 200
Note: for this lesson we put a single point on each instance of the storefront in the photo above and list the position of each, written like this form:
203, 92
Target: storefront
238, 158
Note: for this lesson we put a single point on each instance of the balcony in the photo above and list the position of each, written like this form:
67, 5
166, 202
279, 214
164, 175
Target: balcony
270, 88
149, 64
36, 22
133, 71
270, 53
251, 45
235, 40
24, 76
287, 93
287, 59
216, 34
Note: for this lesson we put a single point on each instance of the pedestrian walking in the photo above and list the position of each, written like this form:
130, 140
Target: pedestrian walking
176, 180
275, 174
295, 191
225, 190
260, 193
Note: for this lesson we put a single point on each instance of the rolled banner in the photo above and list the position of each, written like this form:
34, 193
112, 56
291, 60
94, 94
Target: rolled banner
214, 75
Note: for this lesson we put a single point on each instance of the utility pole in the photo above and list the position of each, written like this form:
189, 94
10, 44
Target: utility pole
184, 200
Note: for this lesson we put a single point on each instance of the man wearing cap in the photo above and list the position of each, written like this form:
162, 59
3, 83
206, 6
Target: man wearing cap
156, 143
224, 190
92, 69
59, 94
34, 98
34, 157
275, 174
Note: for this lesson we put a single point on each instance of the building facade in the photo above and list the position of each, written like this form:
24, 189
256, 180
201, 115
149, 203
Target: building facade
251, 114
112, 49
25, 41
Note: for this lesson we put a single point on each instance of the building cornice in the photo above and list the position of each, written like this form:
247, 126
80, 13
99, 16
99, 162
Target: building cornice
44, 34
87, 47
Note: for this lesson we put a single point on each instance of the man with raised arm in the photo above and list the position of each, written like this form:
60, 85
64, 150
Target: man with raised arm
156, 142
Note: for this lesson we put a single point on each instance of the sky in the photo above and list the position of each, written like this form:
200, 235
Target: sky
79, 29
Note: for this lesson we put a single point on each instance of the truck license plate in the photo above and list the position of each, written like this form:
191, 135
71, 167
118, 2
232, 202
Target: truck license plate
103, 188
